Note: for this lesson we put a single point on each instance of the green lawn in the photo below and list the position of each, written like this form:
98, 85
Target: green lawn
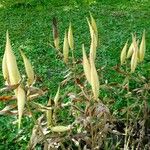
30, 28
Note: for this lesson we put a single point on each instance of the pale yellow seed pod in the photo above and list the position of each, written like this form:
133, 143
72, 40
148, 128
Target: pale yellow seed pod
49, 114
94, 79
56, 43
28, 68
70, 37
134, 58
137, 43
93, 46
56, 98
60, 128
130, 51
86, 65
93, 40
14, 75
124, 53
131, 48
65, 48
93, 24
90, 28
142, 48
21, 97
5, 69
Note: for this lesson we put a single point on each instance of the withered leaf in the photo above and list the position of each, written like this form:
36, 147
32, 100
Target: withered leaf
7, 98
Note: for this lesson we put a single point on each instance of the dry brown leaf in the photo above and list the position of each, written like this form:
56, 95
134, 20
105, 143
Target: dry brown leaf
55, 33
9, 87
7, 98
8, 110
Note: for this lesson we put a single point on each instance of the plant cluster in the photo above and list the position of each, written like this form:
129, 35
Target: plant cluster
92, 123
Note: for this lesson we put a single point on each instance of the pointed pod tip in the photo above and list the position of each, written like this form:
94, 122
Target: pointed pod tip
7, 34
83, 47
144, 33
21, 52
90, 13
70, 24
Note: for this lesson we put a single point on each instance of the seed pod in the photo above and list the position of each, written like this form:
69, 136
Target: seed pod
65, 48
123, 53
93, 46
49, 114
21, 97
93, 40
94, 79
94, 26
130, 51
14, 75
57, 97
56, 43
138, 57
55, 33
90, 28
70, 37
60, 128
86, 65
134, 58
5, 69
142, 48
92, 32
28, 68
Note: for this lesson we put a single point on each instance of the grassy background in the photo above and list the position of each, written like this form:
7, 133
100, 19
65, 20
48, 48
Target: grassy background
29, 25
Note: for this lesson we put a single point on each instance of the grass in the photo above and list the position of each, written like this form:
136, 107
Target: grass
30, 28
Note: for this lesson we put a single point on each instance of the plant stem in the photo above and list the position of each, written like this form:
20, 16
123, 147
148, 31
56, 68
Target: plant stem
35, 122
